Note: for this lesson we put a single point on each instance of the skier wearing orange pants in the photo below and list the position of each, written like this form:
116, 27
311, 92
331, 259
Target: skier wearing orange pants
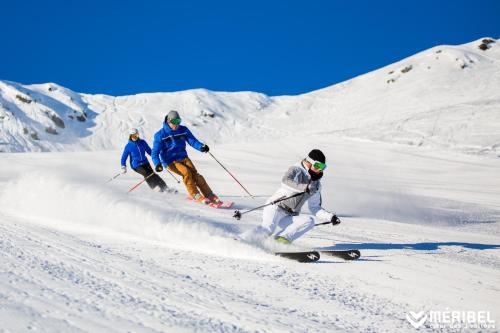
194, 182
169, 150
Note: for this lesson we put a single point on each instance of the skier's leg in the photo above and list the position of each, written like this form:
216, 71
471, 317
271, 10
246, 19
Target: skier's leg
272, 216
199, 179
159, 182
144, 171
140, 170
298, 226
155, 180
187, 177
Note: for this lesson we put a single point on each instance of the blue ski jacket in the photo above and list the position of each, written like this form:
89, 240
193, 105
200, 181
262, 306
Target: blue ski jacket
137, 151
170, 145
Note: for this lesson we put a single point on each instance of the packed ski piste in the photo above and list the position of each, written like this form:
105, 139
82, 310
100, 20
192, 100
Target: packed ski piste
129, 222
282, 217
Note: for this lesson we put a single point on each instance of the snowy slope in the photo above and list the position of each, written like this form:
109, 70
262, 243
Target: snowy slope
42, 117
444, 97
97, 122
447, 96
78, 255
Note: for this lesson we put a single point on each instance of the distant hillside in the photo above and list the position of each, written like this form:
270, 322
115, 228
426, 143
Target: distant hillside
446, 97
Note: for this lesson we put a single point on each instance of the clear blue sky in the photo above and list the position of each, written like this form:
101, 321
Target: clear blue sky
275, 47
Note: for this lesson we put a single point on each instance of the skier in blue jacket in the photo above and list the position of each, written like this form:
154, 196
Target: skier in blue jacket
136, 149
169, 150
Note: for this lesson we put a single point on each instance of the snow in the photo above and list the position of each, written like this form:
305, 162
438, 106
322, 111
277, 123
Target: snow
445, 97
418, 194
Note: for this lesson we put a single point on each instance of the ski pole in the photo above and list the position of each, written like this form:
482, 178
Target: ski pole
139, 183
178, 181
237, 213
329, 222
115, 176
231, 175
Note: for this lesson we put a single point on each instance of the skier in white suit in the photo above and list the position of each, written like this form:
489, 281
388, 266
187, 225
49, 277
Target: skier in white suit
283, 220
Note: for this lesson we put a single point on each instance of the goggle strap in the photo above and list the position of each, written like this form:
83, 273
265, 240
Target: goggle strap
313, 162
310, 160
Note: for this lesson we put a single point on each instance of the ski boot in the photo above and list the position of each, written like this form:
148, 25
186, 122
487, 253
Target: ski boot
215, 199
166, 189
201, 199
282, 240
170, 190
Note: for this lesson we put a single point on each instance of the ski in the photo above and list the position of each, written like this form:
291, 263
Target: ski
308, 256
225, 204
219, 205
344, 254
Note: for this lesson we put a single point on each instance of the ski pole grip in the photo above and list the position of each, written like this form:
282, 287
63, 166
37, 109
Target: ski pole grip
237, 215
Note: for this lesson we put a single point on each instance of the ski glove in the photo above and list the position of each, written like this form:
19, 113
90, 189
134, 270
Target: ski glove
159, 168
335, 220
204, 149
124, 169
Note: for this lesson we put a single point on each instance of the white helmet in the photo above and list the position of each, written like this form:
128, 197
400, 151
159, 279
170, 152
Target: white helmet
133, 131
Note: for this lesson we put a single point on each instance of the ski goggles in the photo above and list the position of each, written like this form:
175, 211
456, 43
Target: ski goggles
316, 165
175, 121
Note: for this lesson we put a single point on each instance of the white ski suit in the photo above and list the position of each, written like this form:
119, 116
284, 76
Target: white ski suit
283, 219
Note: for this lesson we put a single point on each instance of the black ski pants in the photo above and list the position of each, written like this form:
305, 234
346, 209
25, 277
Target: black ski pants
152, 181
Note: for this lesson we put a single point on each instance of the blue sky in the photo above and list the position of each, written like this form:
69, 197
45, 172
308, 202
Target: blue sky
275, 47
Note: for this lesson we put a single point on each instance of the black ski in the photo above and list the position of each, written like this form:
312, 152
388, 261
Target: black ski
308, 256
344, 254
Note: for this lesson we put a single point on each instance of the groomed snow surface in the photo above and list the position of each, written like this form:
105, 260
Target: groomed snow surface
413, 171
80, 255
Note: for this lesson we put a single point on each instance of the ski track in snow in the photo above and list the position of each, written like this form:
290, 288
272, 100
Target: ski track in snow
77, 255
178, 289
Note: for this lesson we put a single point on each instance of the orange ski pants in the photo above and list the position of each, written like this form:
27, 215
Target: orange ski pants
193, 181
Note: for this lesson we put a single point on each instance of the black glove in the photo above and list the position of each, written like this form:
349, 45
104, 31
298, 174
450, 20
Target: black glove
204, 149
159, 168
335, 220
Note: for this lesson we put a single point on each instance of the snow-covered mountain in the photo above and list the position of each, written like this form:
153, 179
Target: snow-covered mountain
79, 254
446, 97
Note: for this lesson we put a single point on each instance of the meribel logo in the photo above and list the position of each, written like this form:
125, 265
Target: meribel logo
416, 319
451, 319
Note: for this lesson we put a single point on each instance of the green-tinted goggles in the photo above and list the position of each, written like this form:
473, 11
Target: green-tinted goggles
176, 121
315, 164
319, 166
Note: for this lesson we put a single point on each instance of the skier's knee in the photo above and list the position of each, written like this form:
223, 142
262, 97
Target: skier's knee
188, 178
266, 230
309, 222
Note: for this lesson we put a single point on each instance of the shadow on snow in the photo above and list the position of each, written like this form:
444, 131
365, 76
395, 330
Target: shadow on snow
427, 246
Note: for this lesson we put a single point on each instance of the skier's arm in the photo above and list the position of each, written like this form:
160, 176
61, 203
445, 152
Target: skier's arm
125, 155
289, 181
193, 142
314, 203
155, 152
147, 148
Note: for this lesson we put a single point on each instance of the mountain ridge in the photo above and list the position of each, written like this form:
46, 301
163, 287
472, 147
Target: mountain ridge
444, 96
